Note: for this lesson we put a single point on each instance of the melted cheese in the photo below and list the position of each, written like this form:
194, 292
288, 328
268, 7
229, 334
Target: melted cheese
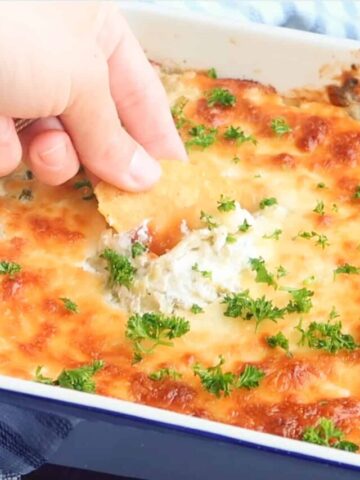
56, 244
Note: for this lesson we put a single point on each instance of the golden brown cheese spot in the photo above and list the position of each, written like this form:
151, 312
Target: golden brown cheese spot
312, 133
345, 148
55, 228
284, 160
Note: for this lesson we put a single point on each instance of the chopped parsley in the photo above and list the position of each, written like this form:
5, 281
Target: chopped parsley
221, 96
243, 306
236, 159
69, 305
209, 220
9, 268
326, 336
26, 195
204, 273
320, 208
322, 240
279, 340
274, 236
348, 269
267, 202
279, 126
235, 133
201, 136
29, 175
262, 275
217, 382
321, 185
177, 112
165, 373
121, 272
356, 194
327, 434
225, 204
301, 301
149, 330
281, 272
244, 227
137, 249
212, 73
196, 309
87, 188
230, 238
77, 379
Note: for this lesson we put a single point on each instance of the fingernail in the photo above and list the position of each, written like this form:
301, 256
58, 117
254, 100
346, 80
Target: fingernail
143, 170
55, 156
5, 128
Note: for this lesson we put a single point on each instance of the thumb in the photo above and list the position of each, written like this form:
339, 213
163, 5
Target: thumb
103, 146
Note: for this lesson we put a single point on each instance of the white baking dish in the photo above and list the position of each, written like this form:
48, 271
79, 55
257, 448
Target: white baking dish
286, 59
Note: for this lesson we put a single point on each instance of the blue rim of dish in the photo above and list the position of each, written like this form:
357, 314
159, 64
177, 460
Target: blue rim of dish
188, 430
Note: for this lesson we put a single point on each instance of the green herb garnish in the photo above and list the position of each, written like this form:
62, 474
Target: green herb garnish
149, 330
235, 133
244, 227
69, 305
201, 136
243, 306
196, 309
279, 340
225, 204
320, 208
9, 268
267, 202
204, 273
230, 238
77, 379
322, 240
262, 275
356, 194
221, 96
327, 434
212, 73
26, 195
274, 236
281, 272
137, 249
121, 272
279, 126
301, 301
87, 188
209, 220
348, 269
165, 373
321, 185
217, 382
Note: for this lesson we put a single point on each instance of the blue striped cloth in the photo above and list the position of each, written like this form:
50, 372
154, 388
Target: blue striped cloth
28, 438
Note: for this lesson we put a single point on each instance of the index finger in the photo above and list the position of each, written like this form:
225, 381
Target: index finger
140, 98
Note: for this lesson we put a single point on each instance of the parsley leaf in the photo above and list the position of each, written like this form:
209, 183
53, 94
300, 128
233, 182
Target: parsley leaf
322, 240
217, 382
236, 159
347, 268
326, 336
279, 340
177, 112
250, 377
281, 272
279, 126
149, 330
201, 136
243, 306
221, 96
204, 273
274, 236
356, 194
121, 272
212, 73
137, 249
262, 275
301, 302
267, 202
244, 227
321, 185
320, 208
235, 133
209, 220
225, 204
230, 238
75, 379
69, 305
196, 309
165, 373
9, 268
327, 434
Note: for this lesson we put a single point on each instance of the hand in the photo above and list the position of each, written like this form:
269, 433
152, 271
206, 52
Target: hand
78, 67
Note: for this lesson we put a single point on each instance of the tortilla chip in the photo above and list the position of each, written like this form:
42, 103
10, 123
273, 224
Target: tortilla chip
182, 192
